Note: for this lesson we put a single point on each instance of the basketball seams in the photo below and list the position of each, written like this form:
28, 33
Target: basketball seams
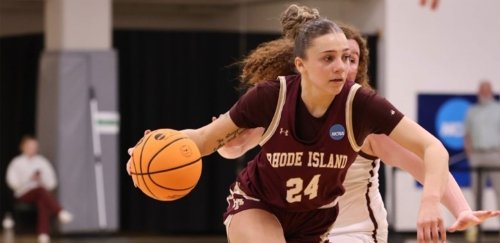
179, 167
174, 168
169, 169
160, 150
140, 162
170, 188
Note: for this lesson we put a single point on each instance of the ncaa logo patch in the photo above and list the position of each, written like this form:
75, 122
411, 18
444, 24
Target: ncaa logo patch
337, 132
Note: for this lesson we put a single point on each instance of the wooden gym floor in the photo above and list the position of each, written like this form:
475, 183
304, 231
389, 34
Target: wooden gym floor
10, 237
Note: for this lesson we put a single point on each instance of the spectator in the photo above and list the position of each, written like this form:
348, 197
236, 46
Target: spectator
482, 138
31, 177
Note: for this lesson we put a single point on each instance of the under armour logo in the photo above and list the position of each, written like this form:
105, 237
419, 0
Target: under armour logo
393, 112
283, 131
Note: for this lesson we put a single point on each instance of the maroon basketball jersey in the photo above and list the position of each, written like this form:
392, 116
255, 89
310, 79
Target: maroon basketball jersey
300, 175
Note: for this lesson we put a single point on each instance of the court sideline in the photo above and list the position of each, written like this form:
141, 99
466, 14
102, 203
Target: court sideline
9, 237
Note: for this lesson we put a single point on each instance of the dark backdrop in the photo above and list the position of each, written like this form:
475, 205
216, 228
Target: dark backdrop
18, 75
172, 79
177, 80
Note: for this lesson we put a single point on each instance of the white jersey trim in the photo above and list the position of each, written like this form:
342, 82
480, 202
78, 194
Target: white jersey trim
277, 113
348, 118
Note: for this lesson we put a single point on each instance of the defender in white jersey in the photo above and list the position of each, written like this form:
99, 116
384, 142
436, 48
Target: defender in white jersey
362, 215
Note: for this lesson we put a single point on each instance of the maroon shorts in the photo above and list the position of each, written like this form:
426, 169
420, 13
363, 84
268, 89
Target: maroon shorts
311, 226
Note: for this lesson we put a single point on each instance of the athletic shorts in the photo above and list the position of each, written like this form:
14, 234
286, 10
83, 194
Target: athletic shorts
311, 226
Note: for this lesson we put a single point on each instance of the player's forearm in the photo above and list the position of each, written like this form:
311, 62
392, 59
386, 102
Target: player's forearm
207, 141
436, 172
453, 198
201, 141
247, 139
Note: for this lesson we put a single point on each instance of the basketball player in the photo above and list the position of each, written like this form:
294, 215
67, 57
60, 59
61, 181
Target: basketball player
362, 216
316, 123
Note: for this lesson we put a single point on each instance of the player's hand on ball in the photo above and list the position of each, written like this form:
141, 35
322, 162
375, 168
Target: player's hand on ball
430, 224
470, 218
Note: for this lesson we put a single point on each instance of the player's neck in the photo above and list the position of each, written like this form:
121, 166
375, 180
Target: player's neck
316, 101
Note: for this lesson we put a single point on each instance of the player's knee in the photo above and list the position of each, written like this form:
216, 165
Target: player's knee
255, 225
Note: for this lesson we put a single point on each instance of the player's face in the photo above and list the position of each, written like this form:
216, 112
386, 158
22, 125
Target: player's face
354, 59
326, 63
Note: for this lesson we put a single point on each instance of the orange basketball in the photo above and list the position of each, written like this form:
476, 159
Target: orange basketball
166, 164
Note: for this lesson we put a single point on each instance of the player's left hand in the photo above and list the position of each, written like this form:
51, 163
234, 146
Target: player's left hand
470, 218
430, 224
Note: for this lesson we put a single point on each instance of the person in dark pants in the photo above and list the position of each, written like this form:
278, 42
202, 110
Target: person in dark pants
31, 177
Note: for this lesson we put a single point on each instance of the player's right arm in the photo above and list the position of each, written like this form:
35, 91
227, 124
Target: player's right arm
254, 109
245, 141
213, 136
208, 138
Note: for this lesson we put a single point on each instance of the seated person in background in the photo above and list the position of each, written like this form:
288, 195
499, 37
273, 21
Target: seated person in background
31, 177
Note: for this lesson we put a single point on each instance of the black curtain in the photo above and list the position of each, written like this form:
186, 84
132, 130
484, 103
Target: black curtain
172, 79
18, 84
177, 80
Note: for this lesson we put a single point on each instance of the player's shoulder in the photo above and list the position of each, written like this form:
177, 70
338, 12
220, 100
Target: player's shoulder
272, 87
268, 86
364, 92
364, 96
275, 83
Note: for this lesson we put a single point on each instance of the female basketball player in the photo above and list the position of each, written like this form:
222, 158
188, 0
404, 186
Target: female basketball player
316, 122
362, 216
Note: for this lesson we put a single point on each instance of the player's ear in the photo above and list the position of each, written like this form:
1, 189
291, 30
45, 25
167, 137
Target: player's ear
299, 64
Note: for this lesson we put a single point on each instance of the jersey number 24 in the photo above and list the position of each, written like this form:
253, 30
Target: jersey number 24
295, 189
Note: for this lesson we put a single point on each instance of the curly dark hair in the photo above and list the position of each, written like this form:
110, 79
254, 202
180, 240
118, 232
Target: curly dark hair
268, 61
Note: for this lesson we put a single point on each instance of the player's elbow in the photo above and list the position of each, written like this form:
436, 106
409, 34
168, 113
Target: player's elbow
231, 153
436, 150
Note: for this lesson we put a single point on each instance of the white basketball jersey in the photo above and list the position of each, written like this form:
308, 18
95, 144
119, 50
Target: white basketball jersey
362, 210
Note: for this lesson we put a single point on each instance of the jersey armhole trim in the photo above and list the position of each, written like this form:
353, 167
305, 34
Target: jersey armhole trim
277, 113
348, 117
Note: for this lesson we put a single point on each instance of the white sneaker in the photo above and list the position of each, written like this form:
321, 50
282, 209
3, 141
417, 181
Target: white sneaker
8, 222
65, 217
43, 238
471, 234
